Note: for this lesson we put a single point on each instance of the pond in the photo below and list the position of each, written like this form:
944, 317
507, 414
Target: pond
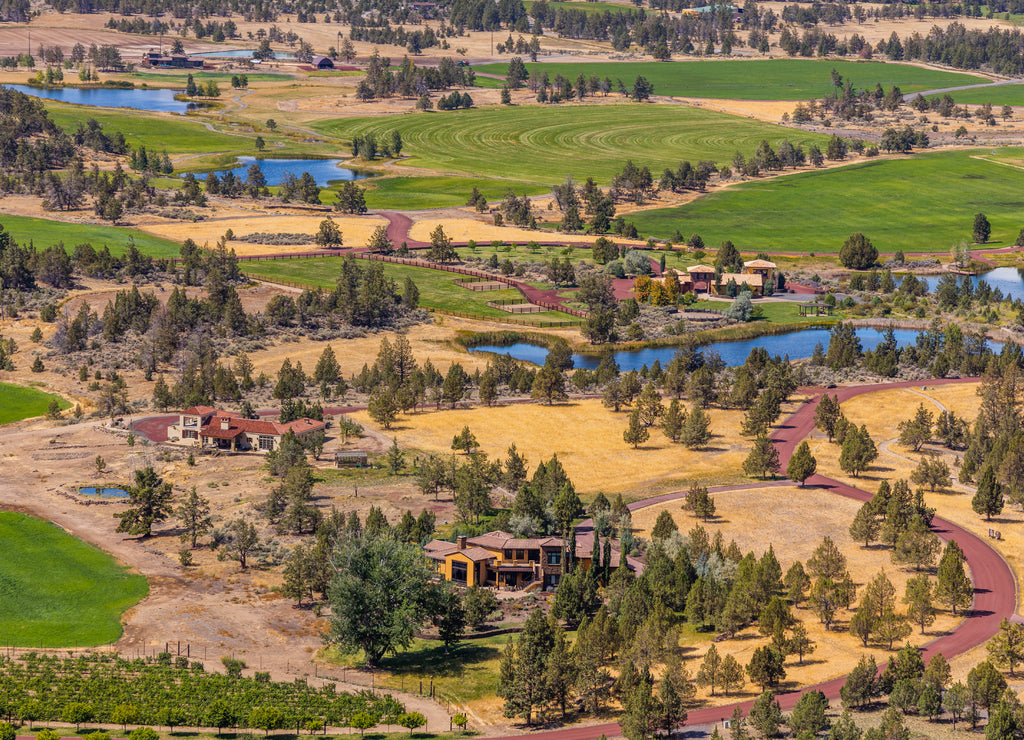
157, 101
1010, 280
108, 493
797, 345
323, 171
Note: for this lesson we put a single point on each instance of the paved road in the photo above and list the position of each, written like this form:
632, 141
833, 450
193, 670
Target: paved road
995, 586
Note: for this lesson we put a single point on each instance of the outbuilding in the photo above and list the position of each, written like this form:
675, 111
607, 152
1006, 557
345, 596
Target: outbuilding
323, 63
350, 459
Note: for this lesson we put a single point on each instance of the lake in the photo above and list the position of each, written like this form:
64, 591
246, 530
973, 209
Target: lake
323, 171
1010, 280
797, 344
158, 101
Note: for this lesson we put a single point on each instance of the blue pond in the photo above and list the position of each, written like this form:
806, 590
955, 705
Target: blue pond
796, 345
1010, 280
323, 170
160, 101
103, 492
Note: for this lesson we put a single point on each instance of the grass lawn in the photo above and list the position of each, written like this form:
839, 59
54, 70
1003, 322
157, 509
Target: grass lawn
416, 193
761, 79
545, 144
45, 233
171, 78
521, 252
176, 134
437, 289
20, 402
774, 312
57, 590
923, 203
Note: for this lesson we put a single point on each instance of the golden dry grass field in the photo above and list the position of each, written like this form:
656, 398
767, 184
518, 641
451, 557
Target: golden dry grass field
587, 438
881, 412
794, 520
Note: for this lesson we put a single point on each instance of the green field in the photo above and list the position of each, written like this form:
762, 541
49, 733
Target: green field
589, 7
437, 289
1000, 95
761, 79
44, 233
544, 144
19, 402
58, 591
176, 134
172, 78
416, 193
924, 203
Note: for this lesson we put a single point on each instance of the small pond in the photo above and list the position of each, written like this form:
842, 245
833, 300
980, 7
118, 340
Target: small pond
323, 171
108, 493
156, 100
796, 345
1010, 280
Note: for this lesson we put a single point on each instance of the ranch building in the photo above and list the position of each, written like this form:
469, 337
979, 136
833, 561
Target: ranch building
203, 426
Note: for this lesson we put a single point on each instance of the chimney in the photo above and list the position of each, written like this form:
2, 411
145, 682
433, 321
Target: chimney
462, 541
225, 423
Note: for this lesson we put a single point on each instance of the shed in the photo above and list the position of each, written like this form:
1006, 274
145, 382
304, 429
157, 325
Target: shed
323, 63
350, 459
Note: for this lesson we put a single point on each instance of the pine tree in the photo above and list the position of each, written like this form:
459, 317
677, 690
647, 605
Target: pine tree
802, 464
194, 515
636, 433
988, 499
763, 458
696, 432
865, 525
827, 414
919, 600
672, 422
710, 672
952, 587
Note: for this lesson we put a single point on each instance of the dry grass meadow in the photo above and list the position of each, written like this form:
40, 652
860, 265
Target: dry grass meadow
752, 518
881, 412
587, 438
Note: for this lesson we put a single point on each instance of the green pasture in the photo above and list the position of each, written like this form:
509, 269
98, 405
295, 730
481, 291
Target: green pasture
437, 288
923, 203
44, 233
998, 96
57, 591
545, 144
759, 79
179, 77
416, 193
589, 7
176, 134
18, 402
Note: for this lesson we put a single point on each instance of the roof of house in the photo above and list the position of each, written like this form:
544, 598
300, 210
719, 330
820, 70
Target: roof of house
237, 425
760, 263
342, 454
475, 554
499, 540
700, 268
318, 60
204, 411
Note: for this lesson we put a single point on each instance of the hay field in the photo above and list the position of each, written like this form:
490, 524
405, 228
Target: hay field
587, 438
794, 520
881, 412
464, 229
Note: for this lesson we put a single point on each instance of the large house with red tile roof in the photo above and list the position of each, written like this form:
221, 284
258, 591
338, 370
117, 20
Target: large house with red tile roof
501, 560
204, 426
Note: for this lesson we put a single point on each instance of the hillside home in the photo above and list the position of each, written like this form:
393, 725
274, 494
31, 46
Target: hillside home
500, 560
204, 426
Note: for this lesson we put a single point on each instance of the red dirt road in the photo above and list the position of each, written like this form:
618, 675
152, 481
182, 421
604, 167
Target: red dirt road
995, 586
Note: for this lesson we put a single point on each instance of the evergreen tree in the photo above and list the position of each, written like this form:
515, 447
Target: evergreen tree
763, 458
636, 433
988, 499
802, 464
194, 515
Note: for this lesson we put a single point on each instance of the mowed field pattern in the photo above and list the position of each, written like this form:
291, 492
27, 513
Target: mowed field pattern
18, 402
58, 591
761, 79
923, 203
544, 144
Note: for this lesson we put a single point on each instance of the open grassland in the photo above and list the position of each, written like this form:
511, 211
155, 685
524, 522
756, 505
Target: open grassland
44, 232
587, 438
464, 229
437, 289
18, 402
176, 134
56, 590
1000, 95
881, 412
794, 520
417, 193
923, 203
761, 79
544, 145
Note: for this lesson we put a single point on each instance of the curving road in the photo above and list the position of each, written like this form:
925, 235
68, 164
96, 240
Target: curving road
995, 585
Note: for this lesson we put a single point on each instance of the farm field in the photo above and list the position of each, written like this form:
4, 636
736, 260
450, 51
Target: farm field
417, 193
1001, 95
58, 591
20, 402
760, 79
544, 145
892, 201
176, 134
437, 289
44, 232
588, 7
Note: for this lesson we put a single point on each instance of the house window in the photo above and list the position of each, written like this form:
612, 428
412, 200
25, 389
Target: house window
189, 434
554, 558
459, 572
266, 442
551, 580
520, 554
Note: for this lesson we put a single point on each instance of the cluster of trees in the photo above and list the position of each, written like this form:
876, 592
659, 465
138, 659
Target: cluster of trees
407, 80
139, 160
858, 449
